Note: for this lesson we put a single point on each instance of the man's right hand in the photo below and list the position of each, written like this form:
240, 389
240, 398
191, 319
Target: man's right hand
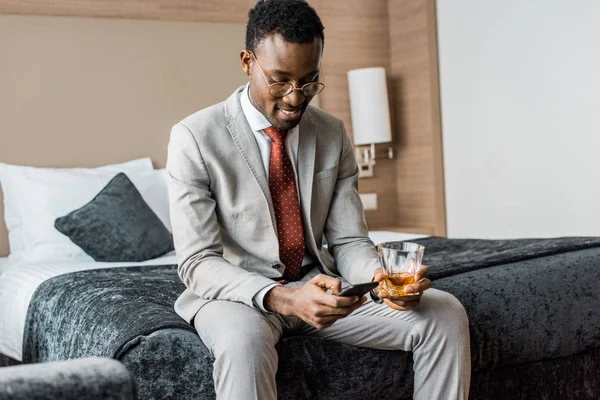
311, 302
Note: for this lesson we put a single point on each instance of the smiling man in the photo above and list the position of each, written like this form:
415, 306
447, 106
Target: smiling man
255, 183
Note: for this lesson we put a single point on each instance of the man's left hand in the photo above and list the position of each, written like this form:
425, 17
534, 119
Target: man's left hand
404, 303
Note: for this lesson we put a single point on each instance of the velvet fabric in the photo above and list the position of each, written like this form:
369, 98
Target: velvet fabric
448, 257
570, 378
89, 378
127, 314
528, 319
530, 310
117, 225
100, 312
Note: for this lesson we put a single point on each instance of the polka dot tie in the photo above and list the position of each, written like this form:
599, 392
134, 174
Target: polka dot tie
287, 208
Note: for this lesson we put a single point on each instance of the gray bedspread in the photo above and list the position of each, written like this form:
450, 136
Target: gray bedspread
527, 300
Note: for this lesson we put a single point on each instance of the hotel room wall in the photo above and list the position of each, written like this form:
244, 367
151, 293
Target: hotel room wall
357, 35
416, 111
93, 91
520, 83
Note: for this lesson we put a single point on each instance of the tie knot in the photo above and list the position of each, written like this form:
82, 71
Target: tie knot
275, 134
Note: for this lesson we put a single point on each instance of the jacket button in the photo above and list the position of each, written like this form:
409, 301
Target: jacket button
276, 266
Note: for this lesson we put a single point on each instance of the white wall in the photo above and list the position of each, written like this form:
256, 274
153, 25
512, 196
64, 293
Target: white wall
520, 92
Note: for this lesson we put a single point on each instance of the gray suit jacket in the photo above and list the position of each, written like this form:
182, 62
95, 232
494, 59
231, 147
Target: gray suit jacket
222, 214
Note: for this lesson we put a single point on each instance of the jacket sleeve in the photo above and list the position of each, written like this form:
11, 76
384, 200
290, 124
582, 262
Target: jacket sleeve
346, 231
196, 229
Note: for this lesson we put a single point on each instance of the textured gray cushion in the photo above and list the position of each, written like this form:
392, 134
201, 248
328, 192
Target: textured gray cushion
117, 225
88, 378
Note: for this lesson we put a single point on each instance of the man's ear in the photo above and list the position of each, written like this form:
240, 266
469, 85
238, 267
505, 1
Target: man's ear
246, 60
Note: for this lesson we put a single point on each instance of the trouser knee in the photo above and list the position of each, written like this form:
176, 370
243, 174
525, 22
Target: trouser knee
447, 312
253, 347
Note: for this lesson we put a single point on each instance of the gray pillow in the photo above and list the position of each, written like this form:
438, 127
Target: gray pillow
117, 225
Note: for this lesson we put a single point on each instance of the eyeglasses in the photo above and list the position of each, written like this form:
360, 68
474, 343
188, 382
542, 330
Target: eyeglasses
282, 89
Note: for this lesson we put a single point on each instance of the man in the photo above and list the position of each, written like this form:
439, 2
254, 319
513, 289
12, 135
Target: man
255, 182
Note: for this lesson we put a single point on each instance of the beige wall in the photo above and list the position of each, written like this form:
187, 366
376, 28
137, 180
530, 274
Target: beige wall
87, 92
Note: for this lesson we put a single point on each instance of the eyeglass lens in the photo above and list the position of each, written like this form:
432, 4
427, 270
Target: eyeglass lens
283, 89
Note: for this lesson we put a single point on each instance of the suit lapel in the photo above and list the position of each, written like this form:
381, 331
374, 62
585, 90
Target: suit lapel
245, 142
242, 136
307, 148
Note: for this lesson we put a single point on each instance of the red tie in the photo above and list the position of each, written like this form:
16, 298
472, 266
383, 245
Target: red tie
287, 209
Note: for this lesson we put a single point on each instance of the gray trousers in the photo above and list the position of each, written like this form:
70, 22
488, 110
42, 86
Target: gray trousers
242, 340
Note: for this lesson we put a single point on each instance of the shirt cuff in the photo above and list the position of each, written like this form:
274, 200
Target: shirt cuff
260, 296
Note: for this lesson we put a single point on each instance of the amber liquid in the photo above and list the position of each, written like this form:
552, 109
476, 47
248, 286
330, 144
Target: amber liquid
395, 283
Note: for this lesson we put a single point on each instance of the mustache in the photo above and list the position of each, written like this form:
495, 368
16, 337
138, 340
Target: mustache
291, 109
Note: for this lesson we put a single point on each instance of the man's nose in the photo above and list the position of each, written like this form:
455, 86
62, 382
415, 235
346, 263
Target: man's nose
294, 99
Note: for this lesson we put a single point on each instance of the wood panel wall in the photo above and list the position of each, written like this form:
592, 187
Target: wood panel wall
169, 10
357, 36
416, 106
396, 34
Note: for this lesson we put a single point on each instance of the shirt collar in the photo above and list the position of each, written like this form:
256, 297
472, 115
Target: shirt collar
255, 119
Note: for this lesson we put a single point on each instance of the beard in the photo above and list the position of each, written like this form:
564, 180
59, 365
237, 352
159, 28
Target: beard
276, 117
284, 124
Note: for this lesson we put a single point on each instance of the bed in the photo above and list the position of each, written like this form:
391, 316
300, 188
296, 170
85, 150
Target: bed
535, 329
518, 350
21, 279
19, 282
532, 303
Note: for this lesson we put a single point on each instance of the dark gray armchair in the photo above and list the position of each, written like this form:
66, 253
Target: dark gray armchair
85, 378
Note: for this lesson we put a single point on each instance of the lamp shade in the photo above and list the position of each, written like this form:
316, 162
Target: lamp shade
369, 106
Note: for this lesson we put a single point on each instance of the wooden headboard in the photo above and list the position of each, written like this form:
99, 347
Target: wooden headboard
92, 82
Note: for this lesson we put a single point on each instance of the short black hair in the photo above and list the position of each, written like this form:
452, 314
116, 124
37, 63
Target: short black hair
295, 20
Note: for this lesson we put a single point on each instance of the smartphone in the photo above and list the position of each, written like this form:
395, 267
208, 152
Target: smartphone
358, 290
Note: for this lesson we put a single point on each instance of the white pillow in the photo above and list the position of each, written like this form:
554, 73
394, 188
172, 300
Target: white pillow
152, 185
31, 196
42, 241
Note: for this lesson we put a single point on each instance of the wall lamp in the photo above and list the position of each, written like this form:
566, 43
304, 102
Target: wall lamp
370, 111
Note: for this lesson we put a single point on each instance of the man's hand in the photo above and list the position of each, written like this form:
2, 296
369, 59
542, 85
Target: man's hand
311, 302
404, 303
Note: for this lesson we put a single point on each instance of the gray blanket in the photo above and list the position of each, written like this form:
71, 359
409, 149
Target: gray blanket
519, 295
448, 257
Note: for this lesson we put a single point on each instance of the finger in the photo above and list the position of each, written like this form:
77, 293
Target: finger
382, 292
381, 288
333, 301
356, 305
401, 305
328, 282
339, 312
333, 312
378, 275
409, 298
418, 287
322, 323
423, 272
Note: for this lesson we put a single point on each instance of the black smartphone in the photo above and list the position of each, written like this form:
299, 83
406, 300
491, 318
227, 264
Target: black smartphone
358, 290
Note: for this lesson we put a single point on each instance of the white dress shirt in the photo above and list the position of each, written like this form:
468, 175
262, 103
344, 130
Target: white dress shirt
258, 123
